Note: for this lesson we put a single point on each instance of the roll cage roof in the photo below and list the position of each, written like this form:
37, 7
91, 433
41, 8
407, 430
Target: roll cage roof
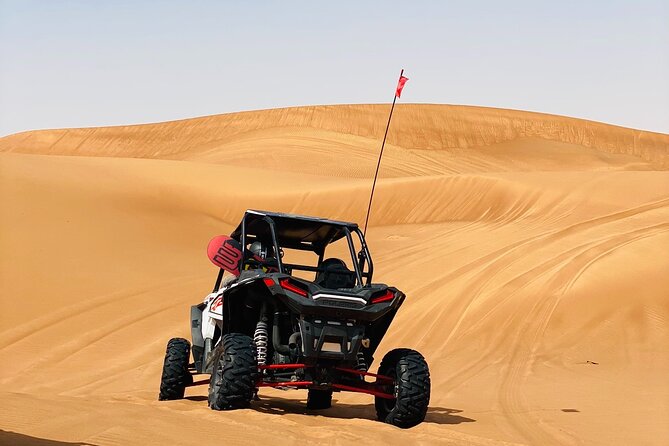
292, 231
301, 232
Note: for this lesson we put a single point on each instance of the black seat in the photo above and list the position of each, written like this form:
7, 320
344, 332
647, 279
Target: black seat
335, 275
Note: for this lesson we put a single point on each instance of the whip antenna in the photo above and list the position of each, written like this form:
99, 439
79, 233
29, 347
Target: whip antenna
398, 92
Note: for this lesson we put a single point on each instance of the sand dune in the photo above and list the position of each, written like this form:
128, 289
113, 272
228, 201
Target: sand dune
352, 130
532, 249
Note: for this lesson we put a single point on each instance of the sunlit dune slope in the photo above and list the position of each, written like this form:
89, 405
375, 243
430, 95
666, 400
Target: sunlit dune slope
318, 136
532, 249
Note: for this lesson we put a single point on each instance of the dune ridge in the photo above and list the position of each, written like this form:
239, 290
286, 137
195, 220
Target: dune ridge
415, 126
532, 249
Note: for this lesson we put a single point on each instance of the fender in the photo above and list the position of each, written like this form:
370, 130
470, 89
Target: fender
213, 307
212, 315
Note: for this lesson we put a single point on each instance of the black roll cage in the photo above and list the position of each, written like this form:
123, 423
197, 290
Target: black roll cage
358, 262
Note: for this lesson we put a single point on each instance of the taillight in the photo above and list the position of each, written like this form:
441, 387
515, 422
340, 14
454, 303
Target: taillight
388, 295
287, 285
269, 281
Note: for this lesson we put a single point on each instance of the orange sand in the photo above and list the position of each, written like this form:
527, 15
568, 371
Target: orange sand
533, 250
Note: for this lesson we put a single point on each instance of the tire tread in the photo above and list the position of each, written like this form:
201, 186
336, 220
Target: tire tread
412, 388
232, 383
175, 377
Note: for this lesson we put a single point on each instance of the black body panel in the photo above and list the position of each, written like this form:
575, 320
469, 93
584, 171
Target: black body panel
323, 317
327, 339
325, 322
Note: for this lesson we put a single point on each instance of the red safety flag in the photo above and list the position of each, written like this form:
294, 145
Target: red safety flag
400, 85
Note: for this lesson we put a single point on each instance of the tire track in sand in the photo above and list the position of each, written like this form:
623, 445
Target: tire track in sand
532, 327
501, 259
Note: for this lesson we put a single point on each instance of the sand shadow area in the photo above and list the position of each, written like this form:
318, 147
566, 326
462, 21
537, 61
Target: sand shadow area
16, 439
284, 406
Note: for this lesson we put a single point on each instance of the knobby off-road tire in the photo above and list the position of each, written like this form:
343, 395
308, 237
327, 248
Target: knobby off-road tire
412, 388
175, 377
319, 399
234, 373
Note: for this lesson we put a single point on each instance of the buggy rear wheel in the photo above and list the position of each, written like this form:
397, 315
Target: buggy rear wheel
234, 370
412, 388
175, 377
319, 399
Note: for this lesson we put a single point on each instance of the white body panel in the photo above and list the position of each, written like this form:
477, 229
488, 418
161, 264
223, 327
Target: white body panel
212, 315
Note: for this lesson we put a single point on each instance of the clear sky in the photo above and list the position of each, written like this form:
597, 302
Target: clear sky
89, 63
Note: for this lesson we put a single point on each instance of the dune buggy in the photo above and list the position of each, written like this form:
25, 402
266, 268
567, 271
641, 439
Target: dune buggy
298, 311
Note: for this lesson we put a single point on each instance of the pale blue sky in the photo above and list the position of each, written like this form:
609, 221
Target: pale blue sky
90, 63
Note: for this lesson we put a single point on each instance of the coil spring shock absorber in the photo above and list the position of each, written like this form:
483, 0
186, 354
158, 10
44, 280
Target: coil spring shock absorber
260, 338
362, 364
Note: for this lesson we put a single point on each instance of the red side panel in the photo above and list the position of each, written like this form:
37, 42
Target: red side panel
225, 253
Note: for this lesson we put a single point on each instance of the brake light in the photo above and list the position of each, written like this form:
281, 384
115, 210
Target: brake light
286, 285
269, 281
388, 295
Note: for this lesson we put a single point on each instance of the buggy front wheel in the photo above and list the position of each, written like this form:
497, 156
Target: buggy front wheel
175, 377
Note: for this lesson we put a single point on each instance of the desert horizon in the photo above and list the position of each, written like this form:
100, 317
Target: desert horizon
351, 104
531, 247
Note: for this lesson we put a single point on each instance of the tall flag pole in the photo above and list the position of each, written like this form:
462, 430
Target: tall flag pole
398, 92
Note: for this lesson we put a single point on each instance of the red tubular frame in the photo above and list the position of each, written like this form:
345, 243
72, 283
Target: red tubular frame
361, 373
369, 388
285, 384
363, 390
281, 366
366, 387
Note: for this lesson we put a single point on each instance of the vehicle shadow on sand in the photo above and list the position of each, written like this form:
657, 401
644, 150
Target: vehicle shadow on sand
16, 439
284, 406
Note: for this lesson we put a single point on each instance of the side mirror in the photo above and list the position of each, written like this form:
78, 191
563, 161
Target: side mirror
226, 253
